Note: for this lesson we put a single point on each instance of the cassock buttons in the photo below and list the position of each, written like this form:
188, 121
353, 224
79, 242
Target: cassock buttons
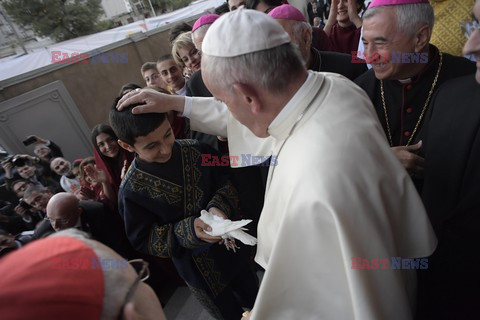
409, 110
407, 133
409, 87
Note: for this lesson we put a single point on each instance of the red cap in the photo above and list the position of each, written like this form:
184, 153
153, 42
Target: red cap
43, 281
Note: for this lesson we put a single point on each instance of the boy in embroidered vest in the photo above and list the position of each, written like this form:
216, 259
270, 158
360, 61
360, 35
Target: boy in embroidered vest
160, 200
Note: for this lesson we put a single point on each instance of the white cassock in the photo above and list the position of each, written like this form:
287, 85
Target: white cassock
336, 193
211, 116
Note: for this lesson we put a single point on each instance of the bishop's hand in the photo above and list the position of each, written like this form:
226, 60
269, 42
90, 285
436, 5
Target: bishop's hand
412, 162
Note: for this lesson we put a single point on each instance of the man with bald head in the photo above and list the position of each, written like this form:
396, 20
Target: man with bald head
300, 32
65, 211
63, 168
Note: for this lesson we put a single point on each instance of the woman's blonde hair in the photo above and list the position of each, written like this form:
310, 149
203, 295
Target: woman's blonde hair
184, 40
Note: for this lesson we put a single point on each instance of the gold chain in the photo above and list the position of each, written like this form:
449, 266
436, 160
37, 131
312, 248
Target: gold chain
382, 93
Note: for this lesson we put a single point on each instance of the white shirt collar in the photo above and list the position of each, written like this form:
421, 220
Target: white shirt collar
183, 91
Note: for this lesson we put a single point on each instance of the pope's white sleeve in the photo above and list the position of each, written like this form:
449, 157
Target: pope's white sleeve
207, 115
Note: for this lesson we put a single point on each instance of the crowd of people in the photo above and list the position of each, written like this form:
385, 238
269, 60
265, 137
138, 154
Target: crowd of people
363, 163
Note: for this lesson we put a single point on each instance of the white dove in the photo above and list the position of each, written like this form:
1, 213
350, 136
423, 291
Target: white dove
227, 229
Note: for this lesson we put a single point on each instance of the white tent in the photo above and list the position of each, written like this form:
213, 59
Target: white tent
16, 65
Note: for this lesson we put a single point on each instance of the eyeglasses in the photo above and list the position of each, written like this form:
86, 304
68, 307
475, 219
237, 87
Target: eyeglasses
58, 221
468, 27
143, 273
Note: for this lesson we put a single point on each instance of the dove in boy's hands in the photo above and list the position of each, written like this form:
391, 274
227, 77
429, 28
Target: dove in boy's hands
227, 229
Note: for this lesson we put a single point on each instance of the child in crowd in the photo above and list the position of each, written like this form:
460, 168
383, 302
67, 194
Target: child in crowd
160, 200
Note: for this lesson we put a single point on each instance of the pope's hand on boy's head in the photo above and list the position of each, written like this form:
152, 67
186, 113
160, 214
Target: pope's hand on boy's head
151, 101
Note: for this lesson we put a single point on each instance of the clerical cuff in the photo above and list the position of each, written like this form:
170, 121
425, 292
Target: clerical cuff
187, 107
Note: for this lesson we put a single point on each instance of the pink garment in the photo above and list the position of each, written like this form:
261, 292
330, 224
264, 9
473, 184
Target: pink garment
208, 18
287, 12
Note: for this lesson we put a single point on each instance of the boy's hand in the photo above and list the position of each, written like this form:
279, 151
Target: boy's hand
200, 226
245, 315
124, 169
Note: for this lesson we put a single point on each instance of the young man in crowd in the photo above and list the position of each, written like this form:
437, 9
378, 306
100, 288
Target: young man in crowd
150, 75
171, 74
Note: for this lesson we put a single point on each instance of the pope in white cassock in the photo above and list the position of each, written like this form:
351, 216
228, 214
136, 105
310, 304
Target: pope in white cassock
335, 193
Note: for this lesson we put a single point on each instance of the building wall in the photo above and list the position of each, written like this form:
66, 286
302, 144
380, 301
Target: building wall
94, 86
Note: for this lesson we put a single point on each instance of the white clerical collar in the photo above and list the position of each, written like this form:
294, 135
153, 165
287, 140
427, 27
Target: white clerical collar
405, 81
183, 91
294, 108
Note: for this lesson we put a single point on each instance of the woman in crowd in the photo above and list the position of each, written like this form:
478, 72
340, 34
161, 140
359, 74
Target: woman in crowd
185, 53
109, 157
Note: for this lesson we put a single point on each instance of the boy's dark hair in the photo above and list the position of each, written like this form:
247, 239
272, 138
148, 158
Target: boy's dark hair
165, 57
130, 86
148, 66
128, 126
177, 29
252, 4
